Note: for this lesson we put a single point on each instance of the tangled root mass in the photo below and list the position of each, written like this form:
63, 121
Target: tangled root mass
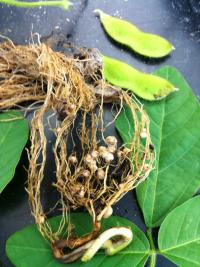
97, 173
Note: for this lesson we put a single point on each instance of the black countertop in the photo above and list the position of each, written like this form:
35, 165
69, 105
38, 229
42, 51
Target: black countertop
176, 20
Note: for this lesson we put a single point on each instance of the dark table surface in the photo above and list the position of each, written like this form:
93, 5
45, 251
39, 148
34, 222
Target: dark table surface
177, 20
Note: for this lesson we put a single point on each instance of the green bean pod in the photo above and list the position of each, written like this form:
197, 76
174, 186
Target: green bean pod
146, 86
146, 44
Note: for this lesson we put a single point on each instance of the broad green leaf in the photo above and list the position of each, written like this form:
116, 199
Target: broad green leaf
27, 248
146, 86
179, 235
143, 43
13, 137
175, 124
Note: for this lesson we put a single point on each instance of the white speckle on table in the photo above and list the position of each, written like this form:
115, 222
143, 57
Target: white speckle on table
117, 14
187, 19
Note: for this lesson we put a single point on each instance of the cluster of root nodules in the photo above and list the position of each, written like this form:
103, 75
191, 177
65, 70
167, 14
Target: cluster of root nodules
98, 171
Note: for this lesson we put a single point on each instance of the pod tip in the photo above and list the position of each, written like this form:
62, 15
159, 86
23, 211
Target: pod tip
173, 48
97, 12
176, 89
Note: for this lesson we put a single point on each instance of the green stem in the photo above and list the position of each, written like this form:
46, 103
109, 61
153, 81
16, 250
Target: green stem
53, 3
153, 249
105, 241
153, 259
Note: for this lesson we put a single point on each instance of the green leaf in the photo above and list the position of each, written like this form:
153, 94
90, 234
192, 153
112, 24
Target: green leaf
179, 235
146, 86
143, 43
175, 124
125, 125
13, 137
27, 248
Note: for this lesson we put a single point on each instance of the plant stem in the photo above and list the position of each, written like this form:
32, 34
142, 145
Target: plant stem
53, 3
153, 259
153, 249
105, 241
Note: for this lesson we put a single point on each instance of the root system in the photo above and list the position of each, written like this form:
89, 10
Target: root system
97, 173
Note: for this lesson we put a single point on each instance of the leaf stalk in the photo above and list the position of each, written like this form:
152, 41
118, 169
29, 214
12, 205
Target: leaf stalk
50, 3
153, 249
